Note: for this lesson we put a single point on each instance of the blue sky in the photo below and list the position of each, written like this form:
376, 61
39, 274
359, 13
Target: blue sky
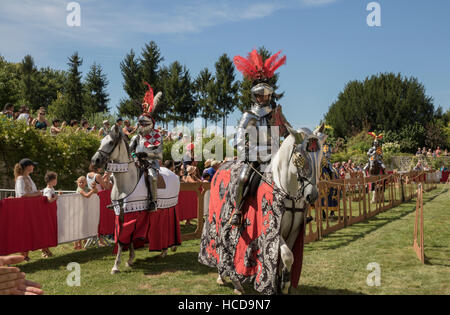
327, 42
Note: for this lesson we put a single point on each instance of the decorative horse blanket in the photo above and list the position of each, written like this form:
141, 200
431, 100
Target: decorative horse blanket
161, 228
250, 252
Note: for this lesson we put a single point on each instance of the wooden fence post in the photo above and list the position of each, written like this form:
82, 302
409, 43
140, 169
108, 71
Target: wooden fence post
419, 248
200, 189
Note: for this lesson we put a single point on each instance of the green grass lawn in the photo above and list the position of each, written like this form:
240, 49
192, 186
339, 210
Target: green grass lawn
334, 265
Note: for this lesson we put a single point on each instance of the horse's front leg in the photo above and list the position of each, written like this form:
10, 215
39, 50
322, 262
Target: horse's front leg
132, 255
287, 259
115, 269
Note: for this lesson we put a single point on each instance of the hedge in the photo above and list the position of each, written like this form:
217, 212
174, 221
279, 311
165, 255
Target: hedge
68, 153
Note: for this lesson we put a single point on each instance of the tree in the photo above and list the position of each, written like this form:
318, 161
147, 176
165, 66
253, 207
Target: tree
10, 81
74, 88
435, 135
383, 102
226, 88
132, 84
28, 72
204, 94
132, 75
96, 97
129, 108
150, 61
177, 93
245, 95
49, 83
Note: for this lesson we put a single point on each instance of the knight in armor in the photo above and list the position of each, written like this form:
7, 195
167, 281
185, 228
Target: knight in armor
328, 173
264, 113
375, 153
147, 146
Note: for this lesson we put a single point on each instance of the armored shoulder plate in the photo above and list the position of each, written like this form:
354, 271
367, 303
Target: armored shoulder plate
248, 119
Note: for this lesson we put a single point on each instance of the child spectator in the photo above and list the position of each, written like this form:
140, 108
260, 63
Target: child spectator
81, 189
51, 179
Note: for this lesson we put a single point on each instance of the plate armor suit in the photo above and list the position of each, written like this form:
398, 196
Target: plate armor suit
375, 154
255, 129
147, 146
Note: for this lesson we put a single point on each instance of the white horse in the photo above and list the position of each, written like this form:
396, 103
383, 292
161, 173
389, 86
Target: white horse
129, 183
296, 170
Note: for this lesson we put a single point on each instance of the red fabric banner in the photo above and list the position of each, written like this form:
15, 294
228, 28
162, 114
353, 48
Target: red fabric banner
107, 216
187, 205
444, 177
27, 224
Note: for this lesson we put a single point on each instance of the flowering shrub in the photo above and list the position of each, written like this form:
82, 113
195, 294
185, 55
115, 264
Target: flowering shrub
391, 147
68, 153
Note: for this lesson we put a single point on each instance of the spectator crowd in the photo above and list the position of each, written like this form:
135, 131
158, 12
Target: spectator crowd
430, 153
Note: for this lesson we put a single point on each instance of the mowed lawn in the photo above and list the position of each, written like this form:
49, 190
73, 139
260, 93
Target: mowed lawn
335, 265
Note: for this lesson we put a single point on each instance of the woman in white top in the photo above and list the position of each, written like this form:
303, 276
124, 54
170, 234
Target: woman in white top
25, 186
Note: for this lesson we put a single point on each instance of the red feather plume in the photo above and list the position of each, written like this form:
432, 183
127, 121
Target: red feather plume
148, 98
273, 63
254, 68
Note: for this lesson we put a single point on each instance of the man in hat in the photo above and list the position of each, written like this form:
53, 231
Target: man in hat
262, 116
147, 146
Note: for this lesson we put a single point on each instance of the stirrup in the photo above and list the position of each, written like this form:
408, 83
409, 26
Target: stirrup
236, 219
152, 206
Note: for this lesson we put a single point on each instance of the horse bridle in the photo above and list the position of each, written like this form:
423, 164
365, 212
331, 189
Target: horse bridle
300, 178
105, 155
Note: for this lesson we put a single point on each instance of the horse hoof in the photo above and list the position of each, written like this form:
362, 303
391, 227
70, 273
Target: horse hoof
163, 254
115, 271
220, 281
238, 292
129, 264
285, 288
174, 249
